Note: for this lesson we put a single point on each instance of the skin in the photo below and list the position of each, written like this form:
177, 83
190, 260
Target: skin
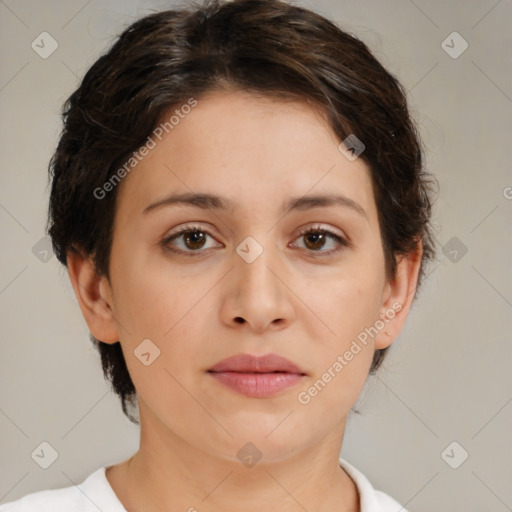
295, 301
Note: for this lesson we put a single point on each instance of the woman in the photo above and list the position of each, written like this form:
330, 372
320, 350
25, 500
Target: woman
238, 196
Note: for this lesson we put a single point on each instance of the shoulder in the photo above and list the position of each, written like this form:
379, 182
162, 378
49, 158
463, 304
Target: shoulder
387, 503
68, 498
91, 494
371, 499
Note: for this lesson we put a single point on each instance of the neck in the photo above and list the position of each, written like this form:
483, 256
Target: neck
167, 473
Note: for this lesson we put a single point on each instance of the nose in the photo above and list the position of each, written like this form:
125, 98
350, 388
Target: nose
257, 296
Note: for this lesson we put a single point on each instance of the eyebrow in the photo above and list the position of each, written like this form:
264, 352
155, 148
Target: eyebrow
210, 201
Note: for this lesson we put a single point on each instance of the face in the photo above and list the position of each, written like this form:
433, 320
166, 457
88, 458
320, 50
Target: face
258, 270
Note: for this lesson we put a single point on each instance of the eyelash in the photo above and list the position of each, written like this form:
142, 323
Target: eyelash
343, 243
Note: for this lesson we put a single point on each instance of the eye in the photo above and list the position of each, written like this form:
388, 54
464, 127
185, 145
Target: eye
316, 238
193, 239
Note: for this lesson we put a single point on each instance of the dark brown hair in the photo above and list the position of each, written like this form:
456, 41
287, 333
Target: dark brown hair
265, 47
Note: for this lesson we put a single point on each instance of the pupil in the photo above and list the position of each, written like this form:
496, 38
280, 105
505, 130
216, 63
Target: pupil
316, 237
197, 238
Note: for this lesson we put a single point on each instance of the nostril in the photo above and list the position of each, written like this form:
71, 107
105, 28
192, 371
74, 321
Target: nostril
239, 320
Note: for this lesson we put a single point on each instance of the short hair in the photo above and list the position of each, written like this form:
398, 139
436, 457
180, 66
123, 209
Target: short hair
265, 47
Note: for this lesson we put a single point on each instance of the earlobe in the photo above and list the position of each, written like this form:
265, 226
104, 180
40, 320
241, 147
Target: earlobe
398, 297
94, 297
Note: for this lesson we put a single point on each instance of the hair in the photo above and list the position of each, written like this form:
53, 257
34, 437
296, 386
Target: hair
265, 47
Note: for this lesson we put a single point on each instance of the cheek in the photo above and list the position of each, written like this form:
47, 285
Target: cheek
166, 310
169, 308
350, 307
153, 297
350, 301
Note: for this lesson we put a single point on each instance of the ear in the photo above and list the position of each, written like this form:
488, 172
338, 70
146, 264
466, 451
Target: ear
398, 296
94, 297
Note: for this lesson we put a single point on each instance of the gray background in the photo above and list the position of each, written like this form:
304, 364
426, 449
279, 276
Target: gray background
448, 376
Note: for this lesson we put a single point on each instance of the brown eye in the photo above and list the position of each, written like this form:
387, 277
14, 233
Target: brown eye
194, 239
315, 239
190, 239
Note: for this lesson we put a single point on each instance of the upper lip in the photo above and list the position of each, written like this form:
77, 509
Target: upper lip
267, 363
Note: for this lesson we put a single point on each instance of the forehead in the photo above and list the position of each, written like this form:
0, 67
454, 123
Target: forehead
257, 152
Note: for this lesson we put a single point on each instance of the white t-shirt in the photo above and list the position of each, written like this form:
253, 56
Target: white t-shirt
95, 493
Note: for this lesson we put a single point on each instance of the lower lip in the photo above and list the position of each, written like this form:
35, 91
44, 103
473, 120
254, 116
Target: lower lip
257, 385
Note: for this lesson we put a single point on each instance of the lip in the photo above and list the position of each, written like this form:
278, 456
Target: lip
257, 377
246, 363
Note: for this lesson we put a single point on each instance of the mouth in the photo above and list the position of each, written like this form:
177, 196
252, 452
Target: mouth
257, 377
